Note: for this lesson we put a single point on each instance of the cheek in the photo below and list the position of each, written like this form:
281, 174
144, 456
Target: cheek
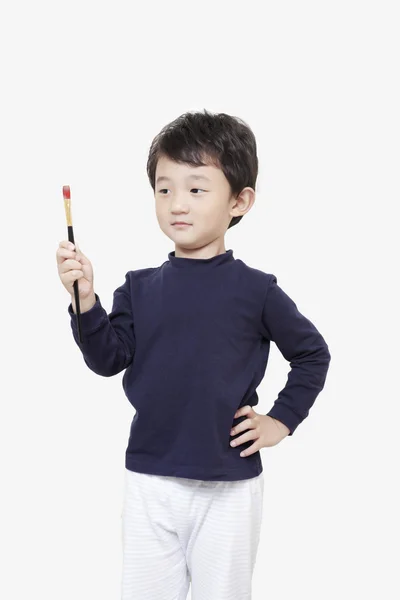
161, 211
161, 218
214, 215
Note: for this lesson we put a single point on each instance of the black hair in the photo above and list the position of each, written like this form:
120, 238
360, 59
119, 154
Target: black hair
203, 138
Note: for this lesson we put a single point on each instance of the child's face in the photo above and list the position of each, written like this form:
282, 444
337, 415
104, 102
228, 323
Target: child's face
206, 204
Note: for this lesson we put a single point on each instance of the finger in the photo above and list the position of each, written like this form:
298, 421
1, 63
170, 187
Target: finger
69, 264
243, 410
251, 449
63, 253
252, 434
247, 424
71, 276
65, 250
82, 258
66, 244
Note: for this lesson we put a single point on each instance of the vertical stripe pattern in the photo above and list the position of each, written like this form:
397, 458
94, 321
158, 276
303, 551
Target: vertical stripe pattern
178, 532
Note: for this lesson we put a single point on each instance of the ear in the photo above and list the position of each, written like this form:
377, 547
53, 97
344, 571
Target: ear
243, 202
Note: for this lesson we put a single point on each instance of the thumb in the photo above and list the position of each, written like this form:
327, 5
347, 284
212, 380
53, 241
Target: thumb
79, 255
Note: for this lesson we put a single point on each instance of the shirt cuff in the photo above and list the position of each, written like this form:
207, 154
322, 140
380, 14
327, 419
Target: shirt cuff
91, 320
284, 414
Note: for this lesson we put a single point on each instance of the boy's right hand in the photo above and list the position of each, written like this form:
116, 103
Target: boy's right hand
74, 265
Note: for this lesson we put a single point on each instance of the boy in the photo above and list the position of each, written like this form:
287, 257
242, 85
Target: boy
194, 336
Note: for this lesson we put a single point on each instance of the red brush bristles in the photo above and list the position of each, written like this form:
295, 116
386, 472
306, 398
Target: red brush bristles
66, 192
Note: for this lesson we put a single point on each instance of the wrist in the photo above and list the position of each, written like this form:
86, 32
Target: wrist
284, 428
84, 304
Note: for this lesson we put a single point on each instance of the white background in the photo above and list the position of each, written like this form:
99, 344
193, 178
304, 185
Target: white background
85, 88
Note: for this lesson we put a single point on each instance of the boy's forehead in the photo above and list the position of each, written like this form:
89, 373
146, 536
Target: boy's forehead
169, 169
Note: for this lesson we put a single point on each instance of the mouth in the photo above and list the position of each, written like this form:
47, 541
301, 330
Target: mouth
180, 224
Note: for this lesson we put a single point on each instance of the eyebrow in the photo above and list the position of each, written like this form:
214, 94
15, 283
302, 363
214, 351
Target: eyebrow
164, 178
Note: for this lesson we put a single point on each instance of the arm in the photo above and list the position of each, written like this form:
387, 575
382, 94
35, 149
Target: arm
303, 346
108, 339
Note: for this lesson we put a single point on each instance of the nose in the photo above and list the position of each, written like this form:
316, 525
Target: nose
179, 208
178, 203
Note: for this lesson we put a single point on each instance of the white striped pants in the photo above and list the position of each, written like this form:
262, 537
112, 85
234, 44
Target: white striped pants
178, 531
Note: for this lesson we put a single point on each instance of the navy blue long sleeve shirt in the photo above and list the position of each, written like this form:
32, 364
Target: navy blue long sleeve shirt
193, 336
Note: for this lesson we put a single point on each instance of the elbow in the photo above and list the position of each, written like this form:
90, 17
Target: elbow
324, 362
108, 369
100, 369
327, 354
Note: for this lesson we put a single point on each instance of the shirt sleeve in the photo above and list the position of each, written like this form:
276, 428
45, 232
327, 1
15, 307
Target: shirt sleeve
303, 346
108, 340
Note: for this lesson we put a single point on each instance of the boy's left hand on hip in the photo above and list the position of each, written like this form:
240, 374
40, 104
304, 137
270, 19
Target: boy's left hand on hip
265, 430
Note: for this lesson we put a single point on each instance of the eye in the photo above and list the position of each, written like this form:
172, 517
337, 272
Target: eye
165, 189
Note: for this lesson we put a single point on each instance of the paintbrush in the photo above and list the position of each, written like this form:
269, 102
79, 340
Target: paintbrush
67, 205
